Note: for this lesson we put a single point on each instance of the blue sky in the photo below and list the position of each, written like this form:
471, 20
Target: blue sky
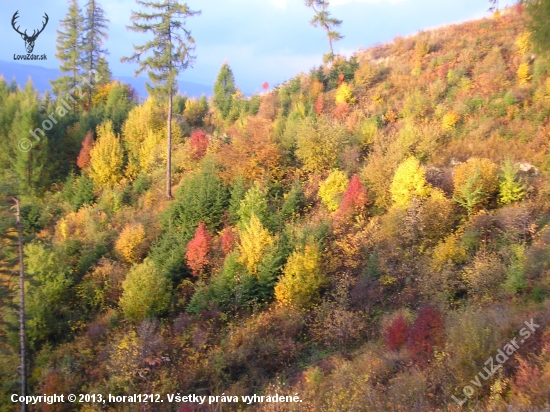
263, 40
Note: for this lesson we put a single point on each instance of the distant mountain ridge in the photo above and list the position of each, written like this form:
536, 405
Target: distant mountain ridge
41, 75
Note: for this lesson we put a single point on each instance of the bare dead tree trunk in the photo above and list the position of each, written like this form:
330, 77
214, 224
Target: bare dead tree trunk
169, 151
22, 334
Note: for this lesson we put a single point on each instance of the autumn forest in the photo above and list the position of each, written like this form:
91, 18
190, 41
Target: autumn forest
373, 235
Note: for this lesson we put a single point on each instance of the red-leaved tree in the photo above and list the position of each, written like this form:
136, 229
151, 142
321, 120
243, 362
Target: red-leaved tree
227, 240
83, 159
198, 250
199, 144
427, 332
354, 200
397, 333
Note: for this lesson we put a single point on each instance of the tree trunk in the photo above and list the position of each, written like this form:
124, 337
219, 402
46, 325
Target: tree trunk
329, 40
22, 334
169, 150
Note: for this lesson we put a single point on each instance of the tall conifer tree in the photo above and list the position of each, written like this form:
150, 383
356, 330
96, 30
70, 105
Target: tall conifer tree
171, 47
69, 49
329, 24
224, 89
95, 33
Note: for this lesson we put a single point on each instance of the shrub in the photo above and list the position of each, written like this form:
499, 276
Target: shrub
483, 275
355, 198
397, 333
195, 110
319, 143
199, 144
146, 293
227, 240
449, 121
515, 273
331, 189
475, 183
344, 94
131, 242
448, 251
427, 333
409, 181
365, 75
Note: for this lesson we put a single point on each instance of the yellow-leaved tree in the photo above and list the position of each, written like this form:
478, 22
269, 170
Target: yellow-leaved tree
344, 94
106, 157
146, 292
302, 277
332, 189
142, 134
409, 181
254, 240
131, 242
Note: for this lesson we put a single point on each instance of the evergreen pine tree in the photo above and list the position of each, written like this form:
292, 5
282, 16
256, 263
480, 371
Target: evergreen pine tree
69, 50
224, 89
95, 32
322, 17
171, 46
30, 156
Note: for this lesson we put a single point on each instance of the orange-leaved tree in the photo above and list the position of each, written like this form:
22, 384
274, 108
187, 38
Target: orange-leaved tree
198, 250
83, 159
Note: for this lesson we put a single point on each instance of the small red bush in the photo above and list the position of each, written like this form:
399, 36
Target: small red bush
427, 332
199, 144
397, 333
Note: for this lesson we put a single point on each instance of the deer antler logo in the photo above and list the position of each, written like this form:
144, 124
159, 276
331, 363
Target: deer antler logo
29, 40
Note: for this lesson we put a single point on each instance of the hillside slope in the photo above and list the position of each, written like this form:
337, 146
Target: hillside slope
368, 237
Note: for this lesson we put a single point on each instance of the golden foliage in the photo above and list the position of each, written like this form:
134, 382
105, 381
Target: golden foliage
449, 121
254, 240
302, 277
142, 133
106, 157
421, 49
523, 73
146, 292
315, 89
448, 251
253, 153
523, 43
365, 75
344, 94
331, 189
130, 242
319, 143
409, 181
